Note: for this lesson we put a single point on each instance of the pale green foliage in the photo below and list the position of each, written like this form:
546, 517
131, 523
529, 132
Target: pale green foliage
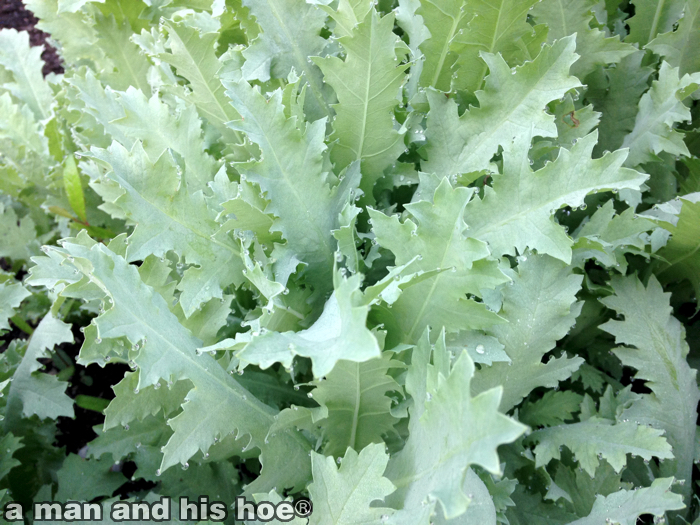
453, 431
656, 348
83, 480
35, 393
652, 18
554, 408
606, 237
494, 27
366, 84
679, 48
625, 506
356, 483
290, 170
24, 64
183, 219
354, 407
193, 57
290, 34
339, 333
681, 257
11, 296
16, 234
512, 103
398, 257
439, 241
443, 21
659, 109
134, 118
540, 307
25, 148
527, 221
596, 439
141, 315
568, 17
619, 101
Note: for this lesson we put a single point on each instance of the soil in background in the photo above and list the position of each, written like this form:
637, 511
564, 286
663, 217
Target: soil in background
13, 14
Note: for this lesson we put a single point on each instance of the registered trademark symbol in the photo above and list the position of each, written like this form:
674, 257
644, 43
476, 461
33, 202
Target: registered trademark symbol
303, 507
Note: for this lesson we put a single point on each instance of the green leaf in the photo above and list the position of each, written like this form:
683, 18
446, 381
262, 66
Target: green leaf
126, 66
495, 27
84, 480
342, 495
531, 509
444, 21
569, 17
74, 188
290, 171
481, 510
340, 333
38, 393
130, 118
367, 83
217, 405
193, 55
482, 348
121, 441
679, 47
553, 408
131, 403
517, 212
11, 296
75, 31
290, 34
72, 6
656, 347
607, 236
581, 490
619, 100
24, 63
453, 432
540, 308
24, 148
414, 28
9, 444
348, 15
354, 408
625, 506
659, 110
96, 404
511, 102
681, 253
652, 18
275, 498
246, 213
437, 235
596, 439
16, 235
169, 217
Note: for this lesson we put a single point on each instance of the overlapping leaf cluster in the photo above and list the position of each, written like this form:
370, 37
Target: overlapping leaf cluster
421, 261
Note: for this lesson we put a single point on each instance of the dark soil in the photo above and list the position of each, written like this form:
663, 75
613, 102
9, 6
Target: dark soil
13, 14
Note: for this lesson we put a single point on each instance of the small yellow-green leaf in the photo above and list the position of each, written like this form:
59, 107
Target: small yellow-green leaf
74, 189
96, 404
58, 210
